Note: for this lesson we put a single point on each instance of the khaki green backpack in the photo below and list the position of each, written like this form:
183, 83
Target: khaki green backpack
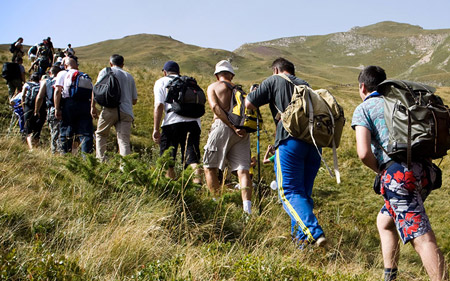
417, 119
314, 117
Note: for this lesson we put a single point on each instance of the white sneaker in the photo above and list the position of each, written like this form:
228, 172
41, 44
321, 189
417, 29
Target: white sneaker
321, 241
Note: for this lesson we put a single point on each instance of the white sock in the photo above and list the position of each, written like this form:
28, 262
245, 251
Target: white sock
247, 206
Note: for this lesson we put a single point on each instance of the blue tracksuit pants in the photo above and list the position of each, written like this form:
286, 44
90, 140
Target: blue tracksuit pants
296, 167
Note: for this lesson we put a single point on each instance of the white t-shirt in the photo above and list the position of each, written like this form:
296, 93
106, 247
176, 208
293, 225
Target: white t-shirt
127, 87
160, 96
61, 80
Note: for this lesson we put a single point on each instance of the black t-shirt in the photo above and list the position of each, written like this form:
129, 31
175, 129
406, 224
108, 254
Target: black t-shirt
277, 92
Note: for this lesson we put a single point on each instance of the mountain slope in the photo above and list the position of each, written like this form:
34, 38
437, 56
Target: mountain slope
405, 51
153, 50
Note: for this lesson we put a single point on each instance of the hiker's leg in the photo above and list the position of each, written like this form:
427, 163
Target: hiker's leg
55, 127
401, 188
85, 128
30, 141
29, 127
290, 172
66, 134
214, 155
390, 246
123, 129
193, 150
212, 181
246, 184
246, 190
169, 138
432, 258
198, 173
11, 89
104, 124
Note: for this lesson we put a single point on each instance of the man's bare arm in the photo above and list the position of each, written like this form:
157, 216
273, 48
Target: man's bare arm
363, 141
57, 101
157, 117
40, 97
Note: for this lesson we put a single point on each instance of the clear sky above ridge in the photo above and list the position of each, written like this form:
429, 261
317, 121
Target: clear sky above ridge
206, 23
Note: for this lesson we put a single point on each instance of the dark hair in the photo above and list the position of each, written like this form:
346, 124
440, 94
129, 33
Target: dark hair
371, 76
18, 60
35, 77
116, 60
55, 69
284, 65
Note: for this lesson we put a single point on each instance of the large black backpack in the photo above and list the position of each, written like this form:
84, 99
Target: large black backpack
12, 47
11, 71
31, 94
417, 120
186, 97
107, 91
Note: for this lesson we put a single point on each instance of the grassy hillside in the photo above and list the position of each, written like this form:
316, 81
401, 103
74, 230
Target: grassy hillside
64, 218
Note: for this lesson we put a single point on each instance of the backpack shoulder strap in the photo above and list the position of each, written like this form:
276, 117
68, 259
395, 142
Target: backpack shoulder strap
229, 85
286, 77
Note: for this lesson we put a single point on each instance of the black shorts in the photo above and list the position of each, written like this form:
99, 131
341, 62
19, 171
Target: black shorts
176, 135
33, 124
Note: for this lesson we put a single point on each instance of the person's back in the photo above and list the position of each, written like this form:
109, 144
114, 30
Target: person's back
296, 162
121, 118
223, 93
177, 130
404, 188
226, 145
74, 112
128, 89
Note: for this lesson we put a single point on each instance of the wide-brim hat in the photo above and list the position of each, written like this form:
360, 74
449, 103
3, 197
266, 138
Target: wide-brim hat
222, 66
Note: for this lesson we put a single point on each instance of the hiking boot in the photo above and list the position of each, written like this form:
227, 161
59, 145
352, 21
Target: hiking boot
321, 241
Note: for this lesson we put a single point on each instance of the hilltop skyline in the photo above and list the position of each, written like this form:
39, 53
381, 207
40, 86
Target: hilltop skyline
201, 22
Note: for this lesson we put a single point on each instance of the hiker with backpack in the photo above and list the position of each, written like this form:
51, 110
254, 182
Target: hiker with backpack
46, 95
226, 142
404, 186
73, 107
70, 50
116, 92
34, 120
32, 53
45, 57
14, 73
180, 125
297, 162
16, 49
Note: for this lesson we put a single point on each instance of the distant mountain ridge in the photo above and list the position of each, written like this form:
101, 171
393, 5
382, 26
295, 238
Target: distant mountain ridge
405, 51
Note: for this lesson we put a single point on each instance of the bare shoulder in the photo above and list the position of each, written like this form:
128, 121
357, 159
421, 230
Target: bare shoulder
218, 87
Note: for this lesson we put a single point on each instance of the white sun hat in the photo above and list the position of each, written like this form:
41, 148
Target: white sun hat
224, 65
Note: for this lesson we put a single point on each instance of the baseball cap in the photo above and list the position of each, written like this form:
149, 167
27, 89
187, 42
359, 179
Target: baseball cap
224, 65
171, 66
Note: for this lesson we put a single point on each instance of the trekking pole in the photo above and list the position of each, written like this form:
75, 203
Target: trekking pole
258, 159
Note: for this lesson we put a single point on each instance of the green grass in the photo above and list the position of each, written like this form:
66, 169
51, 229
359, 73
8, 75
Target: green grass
64, 218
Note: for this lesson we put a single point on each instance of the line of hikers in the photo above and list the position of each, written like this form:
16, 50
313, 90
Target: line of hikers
70, 105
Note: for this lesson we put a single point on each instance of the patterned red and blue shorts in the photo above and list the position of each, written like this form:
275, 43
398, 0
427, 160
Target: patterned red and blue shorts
404, 193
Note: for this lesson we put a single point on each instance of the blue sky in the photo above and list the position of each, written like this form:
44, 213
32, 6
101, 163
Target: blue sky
215, 24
